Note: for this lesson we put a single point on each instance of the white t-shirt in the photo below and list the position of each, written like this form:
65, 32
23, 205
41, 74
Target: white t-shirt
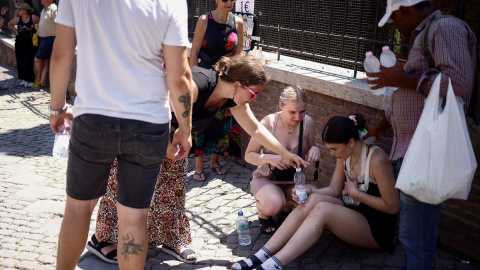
120, 68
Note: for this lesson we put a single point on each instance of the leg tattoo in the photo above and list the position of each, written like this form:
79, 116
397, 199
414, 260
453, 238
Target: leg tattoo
129, 247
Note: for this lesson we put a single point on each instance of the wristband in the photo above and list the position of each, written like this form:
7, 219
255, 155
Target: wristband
2, 16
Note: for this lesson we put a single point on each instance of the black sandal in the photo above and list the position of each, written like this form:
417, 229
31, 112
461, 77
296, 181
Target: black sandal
266, 223
96, 248
242, 265
182, 256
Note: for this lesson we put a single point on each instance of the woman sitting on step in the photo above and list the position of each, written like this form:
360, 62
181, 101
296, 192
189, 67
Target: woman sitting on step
272, 181
364, 216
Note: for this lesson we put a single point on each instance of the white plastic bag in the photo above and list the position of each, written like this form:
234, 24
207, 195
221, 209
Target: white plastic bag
439, 163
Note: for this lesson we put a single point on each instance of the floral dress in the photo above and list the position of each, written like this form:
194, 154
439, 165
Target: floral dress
223, 136
167, 222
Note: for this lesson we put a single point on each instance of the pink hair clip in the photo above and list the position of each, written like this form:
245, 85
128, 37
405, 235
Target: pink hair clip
352, 117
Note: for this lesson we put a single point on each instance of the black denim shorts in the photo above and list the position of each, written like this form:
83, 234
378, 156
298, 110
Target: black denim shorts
96, 140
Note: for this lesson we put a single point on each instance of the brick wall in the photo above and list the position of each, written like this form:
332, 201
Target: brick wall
459, 223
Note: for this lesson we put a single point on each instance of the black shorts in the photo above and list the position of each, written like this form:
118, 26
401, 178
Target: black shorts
97, 140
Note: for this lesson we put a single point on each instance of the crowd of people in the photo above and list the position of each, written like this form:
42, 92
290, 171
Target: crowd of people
142, 110
32, 58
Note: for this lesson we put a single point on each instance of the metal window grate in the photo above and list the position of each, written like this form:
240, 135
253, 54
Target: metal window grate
334, 32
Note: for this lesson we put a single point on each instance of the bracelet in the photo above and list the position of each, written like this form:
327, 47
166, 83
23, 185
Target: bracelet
57, 112
2, 16
359, 194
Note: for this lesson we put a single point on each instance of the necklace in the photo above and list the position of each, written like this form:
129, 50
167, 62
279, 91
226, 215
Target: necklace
287, 129
352, 165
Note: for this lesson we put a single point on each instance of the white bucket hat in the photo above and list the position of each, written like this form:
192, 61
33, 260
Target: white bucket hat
393, 5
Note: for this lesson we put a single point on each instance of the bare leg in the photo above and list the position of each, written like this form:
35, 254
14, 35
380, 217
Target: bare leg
294, 220
43, 78
38, 67
199, 169
73, 232
270, 201
214, 163
347, 224
132, 237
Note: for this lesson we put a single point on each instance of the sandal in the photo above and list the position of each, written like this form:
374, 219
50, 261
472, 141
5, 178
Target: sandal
201, 175
96, 248
266, 223
182, 256
242, 265
218, 170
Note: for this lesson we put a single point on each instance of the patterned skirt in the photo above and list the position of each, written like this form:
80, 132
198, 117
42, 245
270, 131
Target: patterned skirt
167, 222
222, 137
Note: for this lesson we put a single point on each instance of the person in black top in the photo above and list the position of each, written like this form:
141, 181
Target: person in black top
233, 83
24, 49
217, 33
367, 219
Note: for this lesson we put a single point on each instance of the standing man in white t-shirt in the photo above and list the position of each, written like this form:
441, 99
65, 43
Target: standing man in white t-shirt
131, 63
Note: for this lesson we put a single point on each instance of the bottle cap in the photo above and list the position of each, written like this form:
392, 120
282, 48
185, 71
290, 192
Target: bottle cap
368, 54
385, 48
240, 213
299, 169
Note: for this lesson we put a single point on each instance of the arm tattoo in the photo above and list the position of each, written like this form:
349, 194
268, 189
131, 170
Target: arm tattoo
129, 247
187, 104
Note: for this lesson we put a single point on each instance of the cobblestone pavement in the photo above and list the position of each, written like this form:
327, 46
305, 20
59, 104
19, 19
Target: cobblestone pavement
32, 197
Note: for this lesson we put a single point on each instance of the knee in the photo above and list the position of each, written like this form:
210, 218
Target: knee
320, 210
313, 200
272, 205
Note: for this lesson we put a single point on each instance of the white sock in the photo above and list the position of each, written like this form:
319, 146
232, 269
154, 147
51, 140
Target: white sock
273, 263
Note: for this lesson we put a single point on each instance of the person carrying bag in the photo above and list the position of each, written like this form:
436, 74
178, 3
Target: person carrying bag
440, 162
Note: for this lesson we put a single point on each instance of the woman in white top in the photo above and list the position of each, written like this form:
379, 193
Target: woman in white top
272, 181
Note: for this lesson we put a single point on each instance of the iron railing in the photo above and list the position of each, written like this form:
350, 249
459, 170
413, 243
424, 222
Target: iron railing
335, 32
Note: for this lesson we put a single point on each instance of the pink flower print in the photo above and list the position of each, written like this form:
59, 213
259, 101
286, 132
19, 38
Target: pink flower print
232, 39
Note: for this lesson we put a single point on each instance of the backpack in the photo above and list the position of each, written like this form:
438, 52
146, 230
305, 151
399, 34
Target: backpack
473, 113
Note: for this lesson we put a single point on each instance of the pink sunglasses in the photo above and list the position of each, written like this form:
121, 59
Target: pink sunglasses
254, 95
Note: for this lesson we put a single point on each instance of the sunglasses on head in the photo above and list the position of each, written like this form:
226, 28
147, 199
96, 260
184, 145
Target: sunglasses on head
254, 95
224, 1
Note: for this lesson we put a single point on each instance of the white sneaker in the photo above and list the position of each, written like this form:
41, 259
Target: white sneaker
30, 84
23, 83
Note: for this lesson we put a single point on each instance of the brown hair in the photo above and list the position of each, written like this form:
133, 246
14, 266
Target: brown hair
245, 69
293, 94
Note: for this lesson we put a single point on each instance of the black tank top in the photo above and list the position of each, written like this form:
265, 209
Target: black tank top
213, 41
25, 30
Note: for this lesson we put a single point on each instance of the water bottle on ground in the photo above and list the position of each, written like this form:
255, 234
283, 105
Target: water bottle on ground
243, 230
371, 64
62, 139
388, 59
300, 186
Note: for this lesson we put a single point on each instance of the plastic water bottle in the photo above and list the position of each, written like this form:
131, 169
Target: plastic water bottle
371, 64
243, 230
300, 185
388, 59
62, 139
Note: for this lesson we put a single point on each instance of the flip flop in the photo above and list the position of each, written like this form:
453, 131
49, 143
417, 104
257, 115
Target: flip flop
182, 256
201, 175
96, 248
218, 170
